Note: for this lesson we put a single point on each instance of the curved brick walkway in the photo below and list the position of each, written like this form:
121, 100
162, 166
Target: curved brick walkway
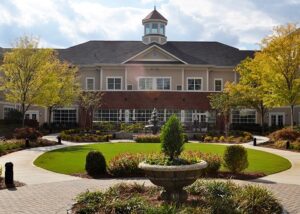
48, 192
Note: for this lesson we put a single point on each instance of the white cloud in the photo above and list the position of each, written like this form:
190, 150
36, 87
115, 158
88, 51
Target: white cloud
67, 22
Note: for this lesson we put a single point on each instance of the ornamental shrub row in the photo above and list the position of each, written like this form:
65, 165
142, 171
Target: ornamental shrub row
86, 137
147, 139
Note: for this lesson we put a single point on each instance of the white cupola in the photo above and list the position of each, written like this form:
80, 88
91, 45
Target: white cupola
155, 28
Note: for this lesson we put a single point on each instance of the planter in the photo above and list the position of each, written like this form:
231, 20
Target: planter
173, 178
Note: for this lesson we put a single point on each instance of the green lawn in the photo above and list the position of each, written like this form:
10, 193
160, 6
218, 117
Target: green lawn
72, 159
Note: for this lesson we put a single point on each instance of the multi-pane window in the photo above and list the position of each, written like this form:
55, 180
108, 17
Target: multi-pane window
64, 115
244, 116
145, 83
154, 28
6, 110
114, 83
90, 83
162, 29
155, 83
170, 112
143, 115
147, 28
163, 84
109, 115
218, 85
194, 84
276, 119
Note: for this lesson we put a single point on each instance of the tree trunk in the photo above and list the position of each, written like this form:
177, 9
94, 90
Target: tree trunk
23, 114
226, 118
292, 116
49, 118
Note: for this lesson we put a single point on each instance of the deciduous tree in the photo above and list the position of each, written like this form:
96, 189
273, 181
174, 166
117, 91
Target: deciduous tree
281, 51
26, 72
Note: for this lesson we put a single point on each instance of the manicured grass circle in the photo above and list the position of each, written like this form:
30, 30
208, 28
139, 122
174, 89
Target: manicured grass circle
71, 160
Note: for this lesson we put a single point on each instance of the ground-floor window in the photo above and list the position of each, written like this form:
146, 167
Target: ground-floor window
144, 115
6, 110
276, 119
32, 115
244, 116
64, 116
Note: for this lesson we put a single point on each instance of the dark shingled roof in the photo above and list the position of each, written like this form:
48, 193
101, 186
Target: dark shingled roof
116, 52
154, 15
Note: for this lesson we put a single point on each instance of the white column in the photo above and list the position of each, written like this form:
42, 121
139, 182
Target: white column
133, 114
182, 116
182, 79
125, 81
101, 79
235, 76
207, 79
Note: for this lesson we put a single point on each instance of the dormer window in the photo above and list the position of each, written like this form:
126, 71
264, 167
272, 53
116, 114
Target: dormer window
162, 29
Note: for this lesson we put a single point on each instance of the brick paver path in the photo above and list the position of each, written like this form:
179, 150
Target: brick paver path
58, 197
48, 192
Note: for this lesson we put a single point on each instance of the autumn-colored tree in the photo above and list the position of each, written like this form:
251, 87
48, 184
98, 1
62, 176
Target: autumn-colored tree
88, 101
26, 72
281, 52
250, 91
62, 92
223, 103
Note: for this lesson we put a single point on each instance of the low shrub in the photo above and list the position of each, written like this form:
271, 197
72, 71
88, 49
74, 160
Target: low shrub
207, 197
230, 139
215, 139
213, 161
185, 138
30, 133
76, 135
208, 139
280, 144
132, 128
95, 164
285, 134
235, 158
295, 146
107, 126
258, 200
126, 165
222, 139
147, 139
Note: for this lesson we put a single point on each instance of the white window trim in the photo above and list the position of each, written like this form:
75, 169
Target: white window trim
7, 106
70, 108
276, 114
246, 109
193, 78
154, 83
86, 83
222, 85
31, 112
114, 77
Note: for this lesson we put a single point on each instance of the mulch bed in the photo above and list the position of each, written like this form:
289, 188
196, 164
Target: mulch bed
16, 184
222, 175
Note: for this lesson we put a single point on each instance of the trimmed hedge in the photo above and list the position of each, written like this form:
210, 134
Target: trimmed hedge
95, 164
78, 135
235, 158
147, 138
30, 133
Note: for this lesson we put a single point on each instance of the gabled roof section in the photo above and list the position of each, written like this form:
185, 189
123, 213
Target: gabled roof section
154, 15
118, 52
154, 54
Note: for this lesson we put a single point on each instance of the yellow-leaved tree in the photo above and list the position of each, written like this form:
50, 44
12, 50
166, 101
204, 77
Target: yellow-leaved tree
281, 52
250, 91
30, 75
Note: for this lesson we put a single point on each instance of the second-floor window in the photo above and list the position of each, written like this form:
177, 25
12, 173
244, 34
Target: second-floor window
90, 84
163, 84
218, 85
114, 83
194, 84
155, 83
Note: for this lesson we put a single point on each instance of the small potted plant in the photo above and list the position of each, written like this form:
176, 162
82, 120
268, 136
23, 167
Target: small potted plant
171, 172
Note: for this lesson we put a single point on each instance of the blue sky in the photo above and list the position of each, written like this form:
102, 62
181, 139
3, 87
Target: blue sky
64, 23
